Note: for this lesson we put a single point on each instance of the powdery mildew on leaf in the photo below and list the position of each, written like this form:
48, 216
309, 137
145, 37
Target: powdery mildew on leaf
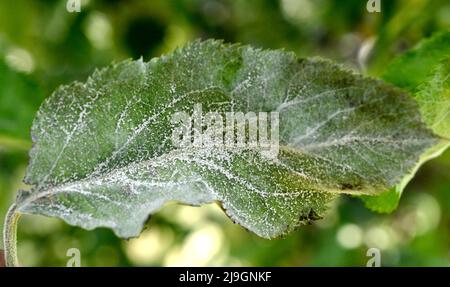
103, 154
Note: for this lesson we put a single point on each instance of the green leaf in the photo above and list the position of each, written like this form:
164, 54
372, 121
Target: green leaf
415, 66
434, 99
388, 201
424, 71
104, 156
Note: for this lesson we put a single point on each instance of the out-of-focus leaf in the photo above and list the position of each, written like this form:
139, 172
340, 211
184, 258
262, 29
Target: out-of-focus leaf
104, 156
434, 98
414, 67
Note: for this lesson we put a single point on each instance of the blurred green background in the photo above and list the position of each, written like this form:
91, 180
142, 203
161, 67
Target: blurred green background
42, 46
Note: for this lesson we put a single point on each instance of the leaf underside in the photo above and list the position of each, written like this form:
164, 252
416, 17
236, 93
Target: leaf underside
103, 155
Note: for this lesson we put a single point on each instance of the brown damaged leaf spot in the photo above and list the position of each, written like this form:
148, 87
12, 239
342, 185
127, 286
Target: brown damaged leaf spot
351, 186
310, 218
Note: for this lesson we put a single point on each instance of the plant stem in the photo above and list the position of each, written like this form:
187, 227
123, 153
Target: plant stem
10, 237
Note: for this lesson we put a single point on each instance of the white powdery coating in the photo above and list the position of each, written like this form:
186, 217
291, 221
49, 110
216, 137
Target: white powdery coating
103, 154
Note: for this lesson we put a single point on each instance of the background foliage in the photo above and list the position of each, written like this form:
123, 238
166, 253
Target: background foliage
43, 46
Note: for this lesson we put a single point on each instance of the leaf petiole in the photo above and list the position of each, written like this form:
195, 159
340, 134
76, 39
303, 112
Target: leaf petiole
10, 237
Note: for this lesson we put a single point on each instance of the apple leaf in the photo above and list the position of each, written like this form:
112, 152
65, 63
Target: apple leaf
104, 154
